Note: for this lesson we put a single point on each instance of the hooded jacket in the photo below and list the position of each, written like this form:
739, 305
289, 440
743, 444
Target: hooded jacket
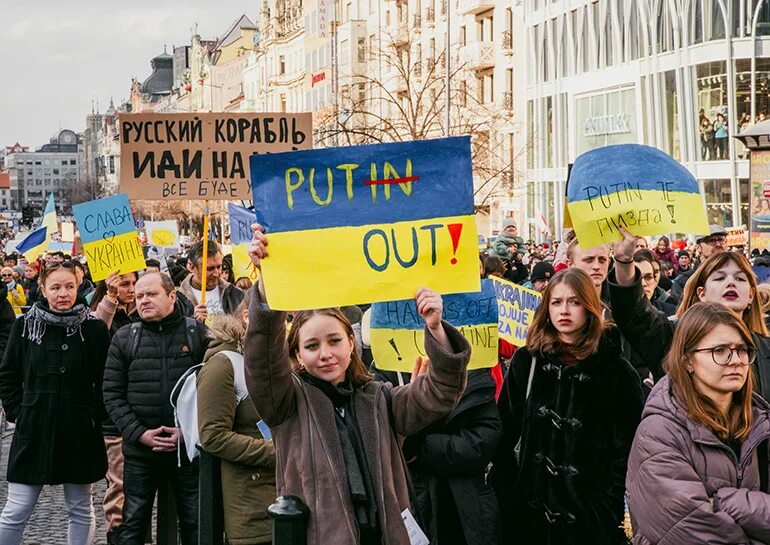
576, 429
686, 487
229, 432
309, 455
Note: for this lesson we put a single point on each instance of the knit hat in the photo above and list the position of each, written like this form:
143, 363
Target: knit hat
542, 271
509, 222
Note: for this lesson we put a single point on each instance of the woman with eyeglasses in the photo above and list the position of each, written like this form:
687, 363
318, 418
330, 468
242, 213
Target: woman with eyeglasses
15, 290
699, 463
50, 386
569, 406
725, 278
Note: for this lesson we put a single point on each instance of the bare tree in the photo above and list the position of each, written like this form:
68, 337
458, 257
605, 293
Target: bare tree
408, 103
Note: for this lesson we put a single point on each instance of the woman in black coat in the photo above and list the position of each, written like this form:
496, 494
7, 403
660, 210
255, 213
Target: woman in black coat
570, 405
50, 386
448, 461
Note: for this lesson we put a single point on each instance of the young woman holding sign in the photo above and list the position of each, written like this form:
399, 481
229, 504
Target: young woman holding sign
51, 385
334, 427
725, 278
570, 405
694, 474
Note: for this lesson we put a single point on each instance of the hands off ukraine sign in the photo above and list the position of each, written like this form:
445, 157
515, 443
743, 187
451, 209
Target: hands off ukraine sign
367, 223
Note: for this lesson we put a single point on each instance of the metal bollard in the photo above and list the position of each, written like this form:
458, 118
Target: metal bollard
289, 516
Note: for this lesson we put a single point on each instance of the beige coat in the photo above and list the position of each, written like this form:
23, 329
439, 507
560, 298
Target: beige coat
309, 459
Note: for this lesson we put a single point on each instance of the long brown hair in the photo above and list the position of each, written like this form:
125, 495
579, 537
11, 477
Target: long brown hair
752, 315
356, 372
543, 337
696, 323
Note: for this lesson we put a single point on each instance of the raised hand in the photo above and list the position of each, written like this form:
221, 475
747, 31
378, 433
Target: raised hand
430, 305
258, 246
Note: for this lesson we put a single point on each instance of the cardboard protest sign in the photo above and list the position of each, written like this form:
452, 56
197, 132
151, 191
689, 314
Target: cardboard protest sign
202, 155
760, 200
68, 231
516, 308
60, 246
163, 234
635, 187
240, 237
108, 232
372, 223
398, 331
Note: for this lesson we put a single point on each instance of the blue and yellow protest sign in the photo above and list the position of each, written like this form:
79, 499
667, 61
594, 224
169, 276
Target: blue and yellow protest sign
108, 232
398, 330
367, 223
635, 187
240, 238
516, 306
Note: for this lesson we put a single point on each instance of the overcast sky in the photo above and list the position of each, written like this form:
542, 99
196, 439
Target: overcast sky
59, 55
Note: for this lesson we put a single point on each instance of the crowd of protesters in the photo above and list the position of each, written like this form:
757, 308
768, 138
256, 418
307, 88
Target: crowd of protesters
645, 376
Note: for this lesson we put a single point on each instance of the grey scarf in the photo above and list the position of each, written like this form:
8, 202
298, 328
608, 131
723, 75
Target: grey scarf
40, 316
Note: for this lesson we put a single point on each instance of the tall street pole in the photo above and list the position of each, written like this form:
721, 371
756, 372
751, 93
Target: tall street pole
448, 61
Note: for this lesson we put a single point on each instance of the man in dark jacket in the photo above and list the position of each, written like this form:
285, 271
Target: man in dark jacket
221, 296
145, 361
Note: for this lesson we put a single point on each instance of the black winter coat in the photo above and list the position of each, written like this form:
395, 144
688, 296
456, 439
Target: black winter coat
52, 391
137, 387
576, 428
650, 332
448, 462
7, 318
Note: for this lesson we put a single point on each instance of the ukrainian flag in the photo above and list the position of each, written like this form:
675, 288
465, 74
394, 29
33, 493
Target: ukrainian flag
369, 223
38, 240
638, 188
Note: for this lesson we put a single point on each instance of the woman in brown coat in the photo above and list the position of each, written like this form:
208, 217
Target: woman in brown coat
699, 463
334, 427
227, 423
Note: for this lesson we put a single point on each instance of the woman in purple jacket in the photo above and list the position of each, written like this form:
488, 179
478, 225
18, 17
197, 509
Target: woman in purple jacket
698, 467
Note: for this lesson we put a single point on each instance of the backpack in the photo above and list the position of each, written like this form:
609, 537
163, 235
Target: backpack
184, 400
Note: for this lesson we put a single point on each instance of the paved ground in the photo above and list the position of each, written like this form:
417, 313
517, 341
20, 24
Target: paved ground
48, 525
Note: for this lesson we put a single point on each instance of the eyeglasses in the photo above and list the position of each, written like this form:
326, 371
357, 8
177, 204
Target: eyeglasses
723, 354
6, 275
715, 241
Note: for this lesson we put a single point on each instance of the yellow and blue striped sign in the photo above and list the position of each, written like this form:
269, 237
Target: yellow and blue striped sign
240, 237
398, 331
367, 223
635, 187
108, 232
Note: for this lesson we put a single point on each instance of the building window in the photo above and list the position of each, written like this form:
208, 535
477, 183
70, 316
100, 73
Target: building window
372, 46
711, 79
672, 115
462, 36
112, 164
281, 65
719, 204
361, 49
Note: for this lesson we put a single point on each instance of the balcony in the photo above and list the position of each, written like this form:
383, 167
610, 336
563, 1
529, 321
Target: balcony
478, 56
430, 16
473, 7
507, 42
508, 101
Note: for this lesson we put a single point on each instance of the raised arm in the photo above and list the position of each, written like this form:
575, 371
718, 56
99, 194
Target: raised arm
266, 351
647, 329
433, 395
